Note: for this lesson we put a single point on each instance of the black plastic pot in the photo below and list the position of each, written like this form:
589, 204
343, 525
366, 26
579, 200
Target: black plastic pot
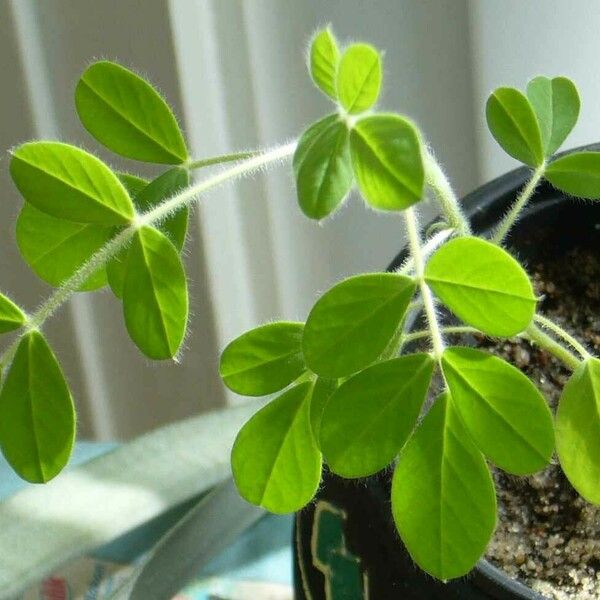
346, 545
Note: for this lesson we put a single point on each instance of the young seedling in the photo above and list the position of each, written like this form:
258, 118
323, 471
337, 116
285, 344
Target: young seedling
351, 395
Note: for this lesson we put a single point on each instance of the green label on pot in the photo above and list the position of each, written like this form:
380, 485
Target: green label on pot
344, 577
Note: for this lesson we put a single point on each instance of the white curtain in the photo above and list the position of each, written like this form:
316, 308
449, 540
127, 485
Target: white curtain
235, 72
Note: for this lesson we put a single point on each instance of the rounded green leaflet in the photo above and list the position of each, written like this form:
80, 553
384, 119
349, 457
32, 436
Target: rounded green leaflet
69, 183
155, 296
11, 316
264, 360
556, 105
368, 419
322, 167
323, 61
578, 430
321, 392
483, 285
503, 411
351, 325
133, 183
359, 78
577, 174
37, 416
275, 461
147, 195
513, 123
443, 498
55, 249
387, 161
165, 186
128, 115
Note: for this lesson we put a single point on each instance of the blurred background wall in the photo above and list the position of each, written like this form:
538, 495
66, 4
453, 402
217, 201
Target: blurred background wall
235, 72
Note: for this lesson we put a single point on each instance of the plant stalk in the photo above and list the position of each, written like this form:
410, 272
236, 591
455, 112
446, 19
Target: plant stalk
217, 160
515, 210
439, 183
543, 340
561, 333
151, 217
412, 228
428, 248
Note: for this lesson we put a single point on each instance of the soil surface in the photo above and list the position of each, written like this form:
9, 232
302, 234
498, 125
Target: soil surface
548, 536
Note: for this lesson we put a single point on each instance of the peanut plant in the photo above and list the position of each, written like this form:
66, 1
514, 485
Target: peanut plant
352, 394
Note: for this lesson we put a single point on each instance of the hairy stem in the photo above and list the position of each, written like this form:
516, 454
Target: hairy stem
217, 160
561, 333
438, 182
412, 228
428, 248
423, 333
515, 210
151, 217
543, 340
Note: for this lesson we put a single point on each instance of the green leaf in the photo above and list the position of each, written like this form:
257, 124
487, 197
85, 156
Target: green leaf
324, 59
504, 412
69, 183
443, 498
133, 183
578, 430
146, 197
11, 316
369, 418
351, 325
55, 248
275, 461
37, 416
514, 125
577, 174
155, 297
387, 161
556, 104
126, 114
359, 78
165, 186
264, 360
321, 392
483, 285
322, 167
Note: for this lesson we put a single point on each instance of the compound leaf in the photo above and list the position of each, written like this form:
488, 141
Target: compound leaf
368, 419
483, 285
322, 167
155, 297
351, 325
443, 498
577, 174
578, 430
275, 461
387, 161
359, 78
513, 123
69, 183
55, 249
264, 360
128, 115
324, 59
556, 104
37, 416
503, 411
11, 316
